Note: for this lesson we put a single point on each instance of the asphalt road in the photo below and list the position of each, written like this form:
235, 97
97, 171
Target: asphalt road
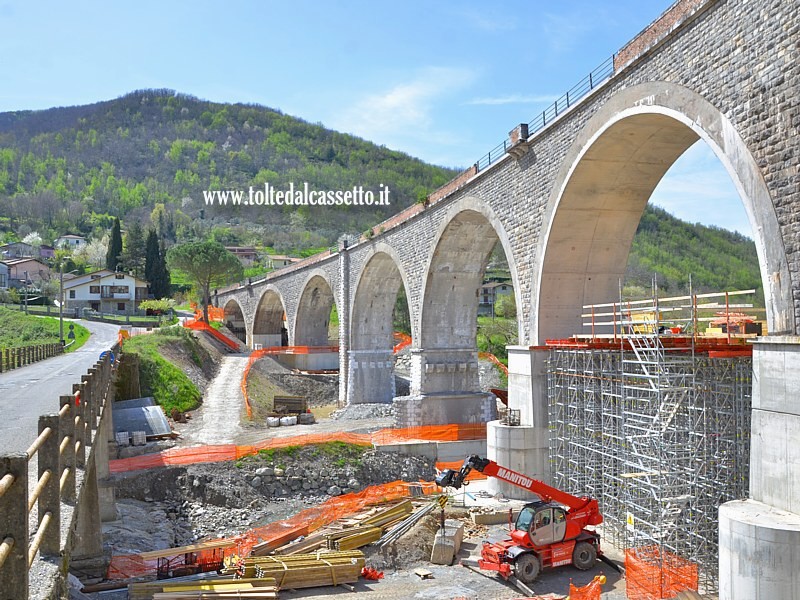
34, 390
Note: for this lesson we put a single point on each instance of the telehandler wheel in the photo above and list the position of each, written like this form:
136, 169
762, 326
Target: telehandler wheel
527, 567
584, 556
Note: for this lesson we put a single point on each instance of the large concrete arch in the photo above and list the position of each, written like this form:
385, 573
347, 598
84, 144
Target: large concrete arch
370, 359
313, 311
268, 321
607, 178
454, 272
233, 317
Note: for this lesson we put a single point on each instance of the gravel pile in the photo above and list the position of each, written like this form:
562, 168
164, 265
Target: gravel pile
357, 412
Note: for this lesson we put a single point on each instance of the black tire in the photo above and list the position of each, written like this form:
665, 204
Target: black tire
584, 556
527, 567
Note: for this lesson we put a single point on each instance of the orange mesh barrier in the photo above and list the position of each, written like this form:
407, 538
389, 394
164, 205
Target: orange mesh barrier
431, 433
304, 522
203, 454
402, 340
493, 359
202, 326
653, 574
590, 591
214, 313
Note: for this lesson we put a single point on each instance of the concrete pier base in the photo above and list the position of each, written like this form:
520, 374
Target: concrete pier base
759, 550
444, 408
521, 448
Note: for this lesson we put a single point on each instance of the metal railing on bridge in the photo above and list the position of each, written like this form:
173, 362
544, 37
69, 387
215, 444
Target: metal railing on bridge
548, 115
59, 450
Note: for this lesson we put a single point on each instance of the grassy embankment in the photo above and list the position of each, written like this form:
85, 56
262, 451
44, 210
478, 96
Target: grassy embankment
161, 379
18, 330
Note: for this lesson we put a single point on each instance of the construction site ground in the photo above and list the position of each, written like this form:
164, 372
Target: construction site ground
214, 500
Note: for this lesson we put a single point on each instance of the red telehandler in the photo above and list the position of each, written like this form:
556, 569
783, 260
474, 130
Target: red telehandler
546, 534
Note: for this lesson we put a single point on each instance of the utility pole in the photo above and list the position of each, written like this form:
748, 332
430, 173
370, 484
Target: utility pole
25, 290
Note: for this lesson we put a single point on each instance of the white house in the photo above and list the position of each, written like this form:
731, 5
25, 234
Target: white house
105, 291
70, 241
490, 293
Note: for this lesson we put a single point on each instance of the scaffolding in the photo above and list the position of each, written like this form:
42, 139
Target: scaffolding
653, 420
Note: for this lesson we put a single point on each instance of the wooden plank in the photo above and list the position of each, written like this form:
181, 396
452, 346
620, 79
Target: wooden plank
168, 552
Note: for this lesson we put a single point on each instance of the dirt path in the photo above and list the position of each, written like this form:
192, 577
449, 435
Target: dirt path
217, 422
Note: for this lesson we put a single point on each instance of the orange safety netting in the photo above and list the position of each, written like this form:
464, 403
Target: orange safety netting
456, 465
214, 313
402, 339
493, 359
590, 591
652, 574
198, 325
221, 453
303, 523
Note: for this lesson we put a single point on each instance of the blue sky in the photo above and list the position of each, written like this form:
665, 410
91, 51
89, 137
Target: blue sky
444, 81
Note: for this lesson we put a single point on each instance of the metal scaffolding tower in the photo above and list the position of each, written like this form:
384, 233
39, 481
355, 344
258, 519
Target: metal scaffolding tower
655, 424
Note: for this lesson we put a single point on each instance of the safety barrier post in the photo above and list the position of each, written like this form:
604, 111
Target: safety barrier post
50, 499
13, 527
80, 425
66, 435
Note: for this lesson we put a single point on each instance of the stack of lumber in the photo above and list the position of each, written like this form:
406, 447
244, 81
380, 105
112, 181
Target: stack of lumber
206, 589
345, 534
305, 570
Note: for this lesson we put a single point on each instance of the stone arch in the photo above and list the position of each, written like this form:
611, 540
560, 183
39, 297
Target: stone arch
268, 322
370, 357
312, 315
454, 273
604, 184
233, 317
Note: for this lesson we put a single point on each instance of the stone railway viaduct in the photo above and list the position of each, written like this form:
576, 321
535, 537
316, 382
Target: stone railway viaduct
564, 203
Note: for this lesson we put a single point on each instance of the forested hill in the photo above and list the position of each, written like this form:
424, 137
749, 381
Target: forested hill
149, 155
672, 249
124, 156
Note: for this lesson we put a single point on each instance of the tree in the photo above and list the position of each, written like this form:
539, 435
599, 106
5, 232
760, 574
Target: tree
208, 264
133, 257
114, 246
155, 267
505, 306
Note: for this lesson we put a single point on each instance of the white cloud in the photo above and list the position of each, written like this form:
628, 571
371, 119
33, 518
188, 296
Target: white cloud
514, 99
402, 116
698, 189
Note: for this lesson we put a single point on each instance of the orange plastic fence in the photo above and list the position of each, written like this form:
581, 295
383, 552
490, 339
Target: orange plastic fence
214, 313
203, 326
220, 453
493, 359
304, 522
402, 339
590, 591
652, 574
456, 465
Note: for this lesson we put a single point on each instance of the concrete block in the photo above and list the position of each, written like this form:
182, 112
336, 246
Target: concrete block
443, 551
775, 459
757, 551
447, 542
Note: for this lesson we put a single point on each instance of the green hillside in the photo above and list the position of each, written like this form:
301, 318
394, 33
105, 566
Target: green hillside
69, 169
148, 156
